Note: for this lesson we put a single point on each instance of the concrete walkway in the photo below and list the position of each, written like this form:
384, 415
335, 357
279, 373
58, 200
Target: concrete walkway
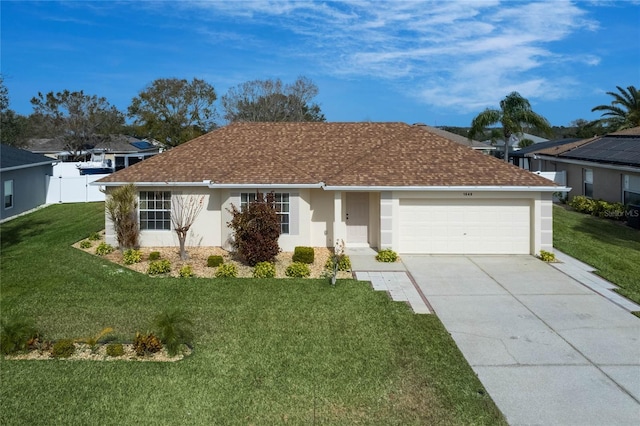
391, 278
548, 349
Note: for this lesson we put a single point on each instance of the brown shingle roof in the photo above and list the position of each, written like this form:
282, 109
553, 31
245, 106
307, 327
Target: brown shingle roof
338, 154
634, 131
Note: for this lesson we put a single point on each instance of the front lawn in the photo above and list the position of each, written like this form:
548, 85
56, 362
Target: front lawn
266, 351
613, 249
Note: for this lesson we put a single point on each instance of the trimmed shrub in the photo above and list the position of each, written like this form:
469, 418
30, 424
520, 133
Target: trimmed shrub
598, 208
303, 255
297, 270
85, 244
547, 256
186, 271
154, 255
214, 261
227, 270
174, 330
104, 248
131, 256
387, 255
157, 267
145, 344
264, 270
343, 265
115, 349
256, 230
15, 335
63, 348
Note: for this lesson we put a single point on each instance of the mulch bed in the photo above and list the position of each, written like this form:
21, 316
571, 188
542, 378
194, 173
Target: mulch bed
198, 260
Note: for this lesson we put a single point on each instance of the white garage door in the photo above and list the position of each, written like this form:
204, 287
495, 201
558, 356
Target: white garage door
465, 226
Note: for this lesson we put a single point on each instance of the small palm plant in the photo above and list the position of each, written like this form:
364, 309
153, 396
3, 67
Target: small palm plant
174, 330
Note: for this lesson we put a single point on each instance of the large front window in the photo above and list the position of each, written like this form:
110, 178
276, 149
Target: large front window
155, 210
281, 203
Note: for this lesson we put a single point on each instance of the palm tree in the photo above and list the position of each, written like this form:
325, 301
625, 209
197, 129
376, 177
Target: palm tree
624, 110
514, 114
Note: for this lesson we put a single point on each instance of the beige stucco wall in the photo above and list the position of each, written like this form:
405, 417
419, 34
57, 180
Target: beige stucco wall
313, 213
541, 212
204, 231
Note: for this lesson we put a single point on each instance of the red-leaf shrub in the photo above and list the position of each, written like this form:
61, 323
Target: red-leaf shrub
256, 230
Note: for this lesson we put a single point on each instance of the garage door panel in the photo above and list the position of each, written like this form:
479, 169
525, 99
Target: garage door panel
465, 226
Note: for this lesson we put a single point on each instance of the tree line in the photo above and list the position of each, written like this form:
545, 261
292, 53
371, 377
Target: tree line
172, 111
168, 110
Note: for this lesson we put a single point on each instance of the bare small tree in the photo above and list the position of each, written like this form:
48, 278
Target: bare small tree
184, 211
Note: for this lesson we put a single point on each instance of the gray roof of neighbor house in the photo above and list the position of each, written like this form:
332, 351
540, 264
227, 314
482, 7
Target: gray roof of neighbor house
14, 158
456, 138
116, 144
620, 148
532, 149
337, 154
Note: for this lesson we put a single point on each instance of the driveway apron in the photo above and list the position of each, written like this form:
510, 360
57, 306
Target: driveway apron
548, 349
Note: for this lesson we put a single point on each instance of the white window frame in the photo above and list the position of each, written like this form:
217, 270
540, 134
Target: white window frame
587, 180
8, 194
155, 210
631, 185
282, 202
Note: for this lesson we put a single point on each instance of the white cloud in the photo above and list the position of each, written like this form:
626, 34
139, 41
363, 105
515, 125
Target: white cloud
461, 54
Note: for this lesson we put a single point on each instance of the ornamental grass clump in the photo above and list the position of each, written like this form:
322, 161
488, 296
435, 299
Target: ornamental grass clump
174, 330
15, 334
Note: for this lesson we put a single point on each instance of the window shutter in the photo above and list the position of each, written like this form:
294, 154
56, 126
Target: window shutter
294, 215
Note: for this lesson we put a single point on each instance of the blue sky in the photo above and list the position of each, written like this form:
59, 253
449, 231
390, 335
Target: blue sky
436, 62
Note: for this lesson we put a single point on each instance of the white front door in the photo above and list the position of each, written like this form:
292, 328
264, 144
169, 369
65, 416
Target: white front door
357, 217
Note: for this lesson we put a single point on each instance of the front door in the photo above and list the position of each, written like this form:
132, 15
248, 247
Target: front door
357, 217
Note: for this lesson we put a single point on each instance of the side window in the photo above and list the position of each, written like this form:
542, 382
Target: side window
631, 189
8, 194
281, 200
588, 183
155, 210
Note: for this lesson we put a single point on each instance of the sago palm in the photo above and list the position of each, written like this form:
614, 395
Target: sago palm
514, 114
624, 110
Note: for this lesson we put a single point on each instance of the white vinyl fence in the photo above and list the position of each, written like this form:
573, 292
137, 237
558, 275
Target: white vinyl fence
67, 186
558, 177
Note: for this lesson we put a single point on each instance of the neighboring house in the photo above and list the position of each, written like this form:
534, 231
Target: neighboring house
474, 144
522, 159
383, 185
604, 167
123, 151
24, 180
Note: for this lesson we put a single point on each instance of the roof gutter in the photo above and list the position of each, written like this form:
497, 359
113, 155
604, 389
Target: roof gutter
98, 183
26, 166
586, 163
265, 186
451, 188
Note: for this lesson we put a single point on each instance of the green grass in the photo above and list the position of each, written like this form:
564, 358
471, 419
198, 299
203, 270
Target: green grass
268, 351
613, 249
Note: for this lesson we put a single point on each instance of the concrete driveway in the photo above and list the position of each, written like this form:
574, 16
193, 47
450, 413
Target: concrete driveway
548, 349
